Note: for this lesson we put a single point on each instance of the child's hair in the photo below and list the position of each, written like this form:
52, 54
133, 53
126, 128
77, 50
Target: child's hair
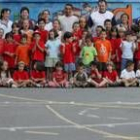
129, 63
128, 33
75, 24
114, 29
67, 35
89, 36
94, 63
59, 64
15, 24
107, 20
55, 33
41, 19
8, 35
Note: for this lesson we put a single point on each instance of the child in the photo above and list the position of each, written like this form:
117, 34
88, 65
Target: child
16, 33
59, 77
41, 28
111, 75
9, 50
95, 77
52, 48
104, 49
88, 52
138, 73
38, 77
37, 48
5, 76
128, 48
137, 52
21, 77
26, 30
108, 26
80, 77
22, 51
68, 50
128, 75
98, 32
1, 43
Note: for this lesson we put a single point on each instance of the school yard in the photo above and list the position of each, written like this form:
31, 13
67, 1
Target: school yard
70, 114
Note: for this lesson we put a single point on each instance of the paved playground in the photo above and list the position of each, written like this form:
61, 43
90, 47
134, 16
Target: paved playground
70, 114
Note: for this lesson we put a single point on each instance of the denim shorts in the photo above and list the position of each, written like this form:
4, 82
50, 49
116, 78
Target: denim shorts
69, 67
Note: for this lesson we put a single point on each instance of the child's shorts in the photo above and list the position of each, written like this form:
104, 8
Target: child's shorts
50, 62
69, 67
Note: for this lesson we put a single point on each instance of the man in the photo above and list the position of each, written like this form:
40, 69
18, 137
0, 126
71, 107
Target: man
98, 18
67, 20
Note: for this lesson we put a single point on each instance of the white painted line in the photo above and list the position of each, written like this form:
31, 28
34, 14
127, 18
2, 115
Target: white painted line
42, 133
118, 118
92, 116
86, 110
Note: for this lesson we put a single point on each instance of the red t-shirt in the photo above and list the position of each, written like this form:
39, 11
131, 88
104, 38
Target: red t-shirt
1, 46
20, 75
44, 35
37, 74
10, 48
59, 76
17, 37
93, 75
37, 54
111, 75
69, 55
137, 52
118, 48
95, 38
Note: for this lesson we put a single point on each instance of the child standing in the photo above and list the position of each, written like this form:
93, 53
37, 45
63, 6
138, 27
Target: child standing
22, 51
128, 47
9, 50
88, 52
59, 77
37, 48
52, 48
5, 76
128, 75
68, 54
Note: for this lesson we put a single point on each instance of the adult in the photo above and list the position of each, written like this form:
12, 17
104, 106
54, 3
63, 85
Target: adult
45, 14
67, 20
98, 17
124, 22
5, 22
24, 15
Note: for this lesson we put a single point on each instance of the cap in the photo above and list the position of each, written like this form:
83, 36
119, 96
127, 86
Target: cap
36, 32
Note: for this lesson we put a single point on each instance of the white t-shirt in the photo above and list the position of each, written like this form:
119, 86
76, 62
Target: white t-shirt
67, 22
7, 28
127, 51
48, 26
138, 73
99, 18
127, 74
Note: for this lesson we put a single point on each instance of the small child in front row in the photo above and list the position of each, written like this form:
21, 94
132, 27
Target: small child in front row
138, 73
59, 77
5, 76
37, 76
80, 77
111, 76
128, 75
21, 77
95, 77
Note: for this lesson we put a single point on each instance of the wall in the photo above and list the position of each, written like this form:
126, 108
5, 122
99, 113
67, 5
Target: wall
56, 6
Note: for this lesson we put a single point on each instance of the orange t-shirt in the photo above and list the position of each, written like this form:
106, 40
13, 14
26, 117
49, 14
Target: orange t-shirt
103, 48
22, 53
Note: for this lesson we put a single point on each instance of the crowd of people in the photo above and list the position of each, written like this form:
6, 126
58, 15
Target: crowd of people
69, 51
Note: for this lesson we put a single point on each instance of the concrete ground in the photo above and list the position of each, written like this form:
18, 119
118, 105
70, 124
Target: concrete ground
70, 114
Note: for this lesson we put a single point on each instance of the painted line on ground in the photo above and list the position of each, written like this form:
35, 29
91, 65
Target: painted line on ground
87, 128
42, 133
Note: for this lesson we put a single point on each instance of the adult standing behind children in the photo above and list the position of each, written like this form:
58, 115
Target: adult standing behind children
68, 18
98, 17
5, 22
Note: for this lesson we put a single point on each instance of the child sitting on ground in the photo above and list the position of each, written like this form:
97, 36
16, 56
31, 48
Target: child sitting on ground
5, 76
80, 77
95, 78
128, 75
21, 77
59, 77
37, 76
